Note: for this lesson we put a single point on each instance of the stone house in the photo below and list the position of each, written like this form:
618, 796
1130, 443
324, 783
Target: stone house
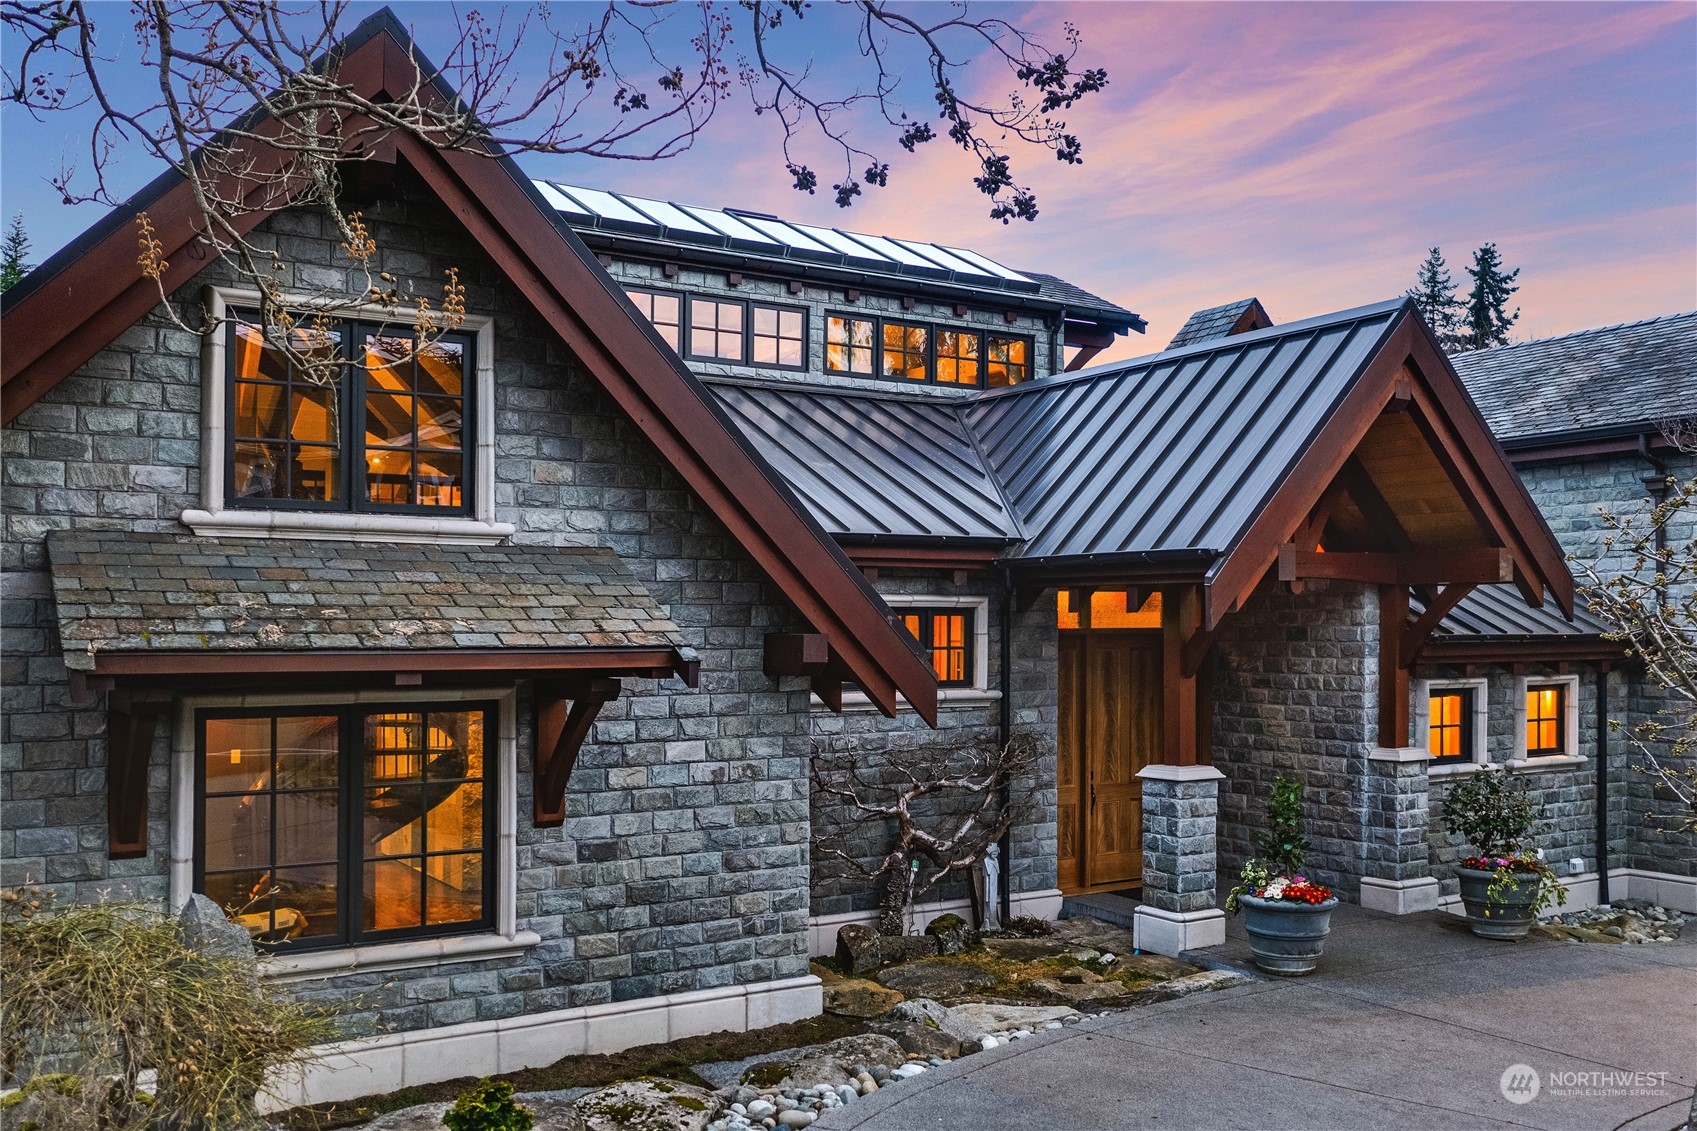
481, 682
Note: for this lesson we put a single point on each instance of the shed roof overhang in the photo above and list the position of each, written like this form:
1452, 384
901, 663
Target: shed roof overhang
81, 299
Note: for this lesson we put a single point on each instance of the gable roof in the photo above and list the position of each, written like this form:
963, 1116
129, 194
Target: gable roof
1612, 378
1221, 322
1197, 462
79, 301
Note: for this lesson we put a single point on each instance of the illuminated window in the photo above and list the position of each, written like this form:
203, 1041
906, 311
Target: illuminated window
1007, 360
664, 312
1546, 719
848, 344
342, 825
1107, 608
315, 425
716, 329
779, 337
957, 357
906, 351
1449, 727
947, 635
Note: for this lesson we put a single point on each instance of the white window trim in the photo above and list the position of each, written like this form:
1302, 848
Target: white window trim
980, 693
506, 939
1423, 692
1569, 756
216, 518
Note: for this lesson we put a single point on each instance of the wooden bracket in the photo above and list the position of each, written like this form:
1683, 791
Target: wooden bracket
795, 653
1393, 674
1414, 638
564, 714
132, 721
1432, 567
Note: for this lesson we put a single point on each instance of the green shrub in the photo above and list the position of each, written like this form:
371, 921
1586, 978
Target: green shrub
488, 1106
1491, 812
1282, 846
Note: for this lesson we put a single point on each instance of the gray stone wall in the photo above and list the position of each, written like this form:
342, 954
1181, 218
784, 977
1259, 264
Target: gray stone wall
837, 886
1180, 845
820, 301
683, 864
1295, 683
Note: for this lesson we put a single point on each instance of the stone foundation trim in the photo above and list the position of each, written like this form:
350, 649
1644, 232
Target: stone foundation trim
351, 1069
406, 955
1399, 897
822, 929
1399, 754
1173, 932
1180, 773
1664, 888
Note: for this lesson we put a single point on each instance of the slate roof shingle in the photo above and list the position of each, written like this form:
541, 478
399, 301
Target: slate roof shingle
120, 591
1215, 322
1631, 374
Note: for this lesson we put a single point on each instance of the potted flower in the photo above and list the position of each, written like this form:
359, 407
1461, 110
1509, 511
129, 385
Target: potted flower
1503, 887
1286, 915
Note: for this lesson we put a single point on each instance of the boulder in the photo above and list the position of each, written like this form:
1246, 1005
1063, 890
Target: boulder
1028, 950
954, 935
857, 948
1081, 986
1152, 966
648, 1105
918, 1038
859, 997
865, 1048
953, 1022
995, 1017
827, 1064
936, 979
208, 930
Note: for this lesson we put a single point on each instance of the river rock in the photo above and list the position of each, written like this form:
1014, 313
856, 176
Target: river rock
935, 979
954, 935
859, 997
648, 1105
916, 1037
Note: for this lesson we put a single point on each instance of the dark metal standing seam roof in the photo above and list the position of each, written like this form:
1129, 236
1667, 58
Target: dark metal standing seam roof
868, 464
1500, 610
1614, 375
1175, 452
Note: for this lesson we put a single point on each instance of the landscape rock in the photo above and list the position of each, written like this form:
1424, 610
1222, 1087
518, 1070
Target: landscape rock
1027, 950
995, 1017
954, 1022
935, 979
648, 1105
865, 1048
954, 935
916, 1037
208, 930
859, 997
1081, 986
861, 949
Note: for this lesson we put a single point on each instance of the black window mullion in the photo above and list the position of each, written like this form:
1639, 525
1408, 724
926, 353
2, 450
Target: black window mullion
350, 873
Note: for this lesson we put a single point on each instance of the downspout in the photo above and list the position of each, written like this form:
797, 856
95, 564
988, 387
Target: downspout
1006, 732
1603, 783
1656, 483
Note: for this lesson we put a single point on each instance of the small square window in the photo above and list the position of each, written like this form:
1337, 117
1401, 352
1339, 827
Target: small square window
1449, 728
848, 344
1007, 360
947, 635
716, 329
1546, 719
779, 337
905, 351
664, 312
957, 357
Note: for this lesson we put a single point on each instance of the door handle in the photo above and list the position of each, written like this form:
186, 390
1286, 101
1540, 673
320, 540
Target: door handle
1092, 797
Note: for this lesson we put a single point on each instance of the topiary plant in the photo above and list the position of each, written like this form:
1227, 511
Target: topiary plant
1491, 811
1282, 847
488, 1106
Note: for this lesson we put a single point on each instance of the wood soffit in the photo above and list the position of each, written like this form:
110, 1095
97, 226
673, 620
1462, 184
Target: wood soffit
98, 292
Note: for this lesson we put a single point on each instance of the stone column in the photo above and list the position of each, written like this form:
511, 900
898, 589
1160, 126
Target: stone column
1397, 877
1178, 912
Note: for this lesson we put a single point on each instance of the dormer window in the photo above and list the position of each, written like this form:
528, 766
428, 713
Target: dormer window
1008, 360
906, 351
716, 329
664, 312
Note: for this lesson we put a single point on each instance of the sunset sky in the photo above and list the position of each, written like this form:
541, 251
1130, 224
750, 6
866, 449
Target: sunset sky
1307, 154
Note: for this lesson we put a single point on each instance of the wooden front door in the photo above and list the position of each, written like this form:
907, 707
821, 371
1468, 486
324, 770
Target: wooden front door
1110, 727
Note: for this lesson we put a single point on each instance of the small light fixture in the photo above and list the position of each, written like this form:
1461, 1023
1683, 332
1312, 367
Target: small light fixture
235, 756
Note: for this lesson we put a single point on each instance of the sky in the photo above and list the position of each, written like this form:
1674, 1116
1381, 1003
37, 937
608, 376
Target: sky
1305, 154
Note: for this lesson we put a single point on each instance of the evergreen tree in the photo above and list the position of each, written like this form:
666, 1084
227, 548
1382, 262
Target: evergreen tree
1434, 293
12, 252
1487, 321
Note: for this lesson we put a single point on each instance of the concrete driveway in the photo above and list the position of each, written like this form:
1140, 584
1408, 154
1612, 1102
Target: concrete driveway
1411, 1023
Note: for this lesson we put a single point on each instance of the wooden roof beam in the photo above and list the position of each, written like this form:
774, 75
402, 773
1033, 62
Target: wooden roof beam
1425, 567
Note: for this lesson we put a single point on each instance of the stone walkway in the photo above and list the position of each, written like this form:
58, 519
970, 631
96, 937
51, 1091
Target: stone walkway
1411, 1023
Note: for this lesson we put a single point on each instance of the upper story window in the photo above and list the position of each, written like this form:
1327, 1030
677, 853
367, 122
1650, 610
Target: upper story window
780, 337
947, 634
1449, 726
664, 312
1546, 719
1007, 360
352, 417
916, 352
716, 329
848, 344
341, 825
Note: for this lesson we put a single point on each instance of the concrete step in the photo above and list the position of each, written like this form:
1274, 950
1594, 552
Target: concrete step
1106, 906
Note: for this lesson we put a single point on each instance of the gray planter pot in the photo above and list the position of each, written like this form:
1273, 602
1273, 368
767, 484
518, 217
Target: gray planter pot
1286, 938
1508, 917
